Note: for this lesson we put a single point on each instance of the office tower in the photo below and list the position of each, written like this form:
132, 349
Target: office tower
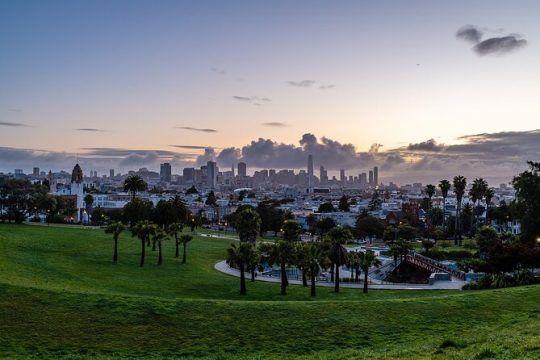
310, 172
35, 171
323, 175
211, 174
370, 177
189, 175
375, 176
363, 179
342, 177
111, 173
165, 172
242, 169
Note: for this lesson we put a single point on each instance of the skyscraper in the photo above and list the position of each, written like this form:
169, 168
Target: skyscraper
310, 172
36, 171
242, 169
211, 174
370, 177
165, 172
111, 173
375, 176
342, 177
188, 175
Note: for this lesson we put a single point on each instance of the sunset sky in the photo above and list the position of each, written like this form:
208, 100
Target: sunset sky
120, 82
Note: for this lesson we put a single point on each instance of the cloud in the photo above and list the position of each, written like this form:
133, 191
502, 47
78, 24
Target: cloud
218, 71
254, 100
195, 147
197, 129
148, 159
428, 145
89, 130
274, 124
499, 45
491, 46
469, 33
13, 124
15, 110
327, 87
302, 83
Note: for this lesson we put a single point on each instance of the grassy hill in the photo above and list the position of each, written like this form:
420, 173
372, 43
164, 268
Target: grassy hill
60, 295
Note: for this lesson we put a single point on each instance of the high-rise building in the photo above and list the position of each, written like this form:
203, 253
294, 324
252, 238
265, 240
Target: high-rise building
111, 173
363, 179
242, 169
189, 175
342, 177
370, 177
310, 172
165, 172
323, 175
211, 174
375, 176
35, 171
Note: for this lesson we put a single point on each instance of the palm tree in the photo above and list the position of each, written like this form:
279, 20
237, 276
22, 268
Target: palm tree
430, 191
282, 253
477, 192
291, 230
88, 202
173, 230
338, 253
314, 258
143, 230
368, 259
237, 257
115, 229
159, 236
489, 196
134, 184
248, 224
460, 183
184, 239
354, 262
444, 186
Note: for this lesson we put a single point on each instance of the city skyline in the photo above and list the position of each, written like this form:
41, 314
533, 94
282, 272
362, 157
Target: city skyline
435, 90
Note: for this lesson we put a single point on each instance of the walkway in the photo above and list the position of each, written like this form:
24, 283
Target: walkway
454, 284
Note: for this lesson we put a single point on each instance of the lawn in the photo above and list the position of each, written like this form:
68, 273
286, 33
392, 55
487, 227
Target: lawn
60, 295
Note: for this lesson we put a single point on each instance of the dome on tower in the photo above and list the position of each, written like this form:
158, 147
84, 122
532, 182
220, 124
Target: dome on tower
77, 175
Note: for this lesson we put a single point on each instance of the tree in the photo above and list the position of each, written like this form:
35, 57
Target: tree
301, 260
137, 210
211, 199
338, 237
527, 202
134, 184
173, 230
375, 202
368, 226
430, 191
486, 238
159, 236
88, 202
427, 245
184, 239
444, 186
164, 213
354, 263
460, 183
115, 229
314, 259
326, 207
143, 230
402, 248
477, 192
248, 223
344, 204
291, 230
407, 232
311, 221
367, 260
192, 190
490, 193
325, 225
282, 253
237, 257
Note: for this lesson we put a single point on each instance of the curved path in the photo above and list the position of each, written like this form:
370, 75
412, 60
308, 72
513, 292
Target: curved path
439, 285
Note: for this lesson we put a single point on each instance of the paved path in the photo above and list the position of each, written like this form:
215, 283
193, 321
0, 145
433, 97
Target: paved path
439, 285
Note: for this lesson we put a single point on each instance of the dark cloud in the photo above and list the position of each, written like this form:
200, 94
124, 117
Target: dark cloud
274, 124
254, 100
429, 145
499, 45
197, 129
302, 83
209, 155
13, 124
118, 152
491, 46
469, 33
135, 159
89, 130
196, 147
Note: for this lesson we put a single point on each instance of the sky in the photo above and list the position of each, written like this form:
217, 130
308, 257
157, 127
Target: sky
423, 89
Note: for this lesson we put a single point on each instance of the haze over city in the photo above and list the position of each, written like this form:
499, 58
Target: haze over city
422, 90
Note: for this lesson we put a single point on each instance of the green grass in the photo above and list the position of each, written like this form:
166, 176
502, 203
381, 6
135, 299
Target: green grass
61, 296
